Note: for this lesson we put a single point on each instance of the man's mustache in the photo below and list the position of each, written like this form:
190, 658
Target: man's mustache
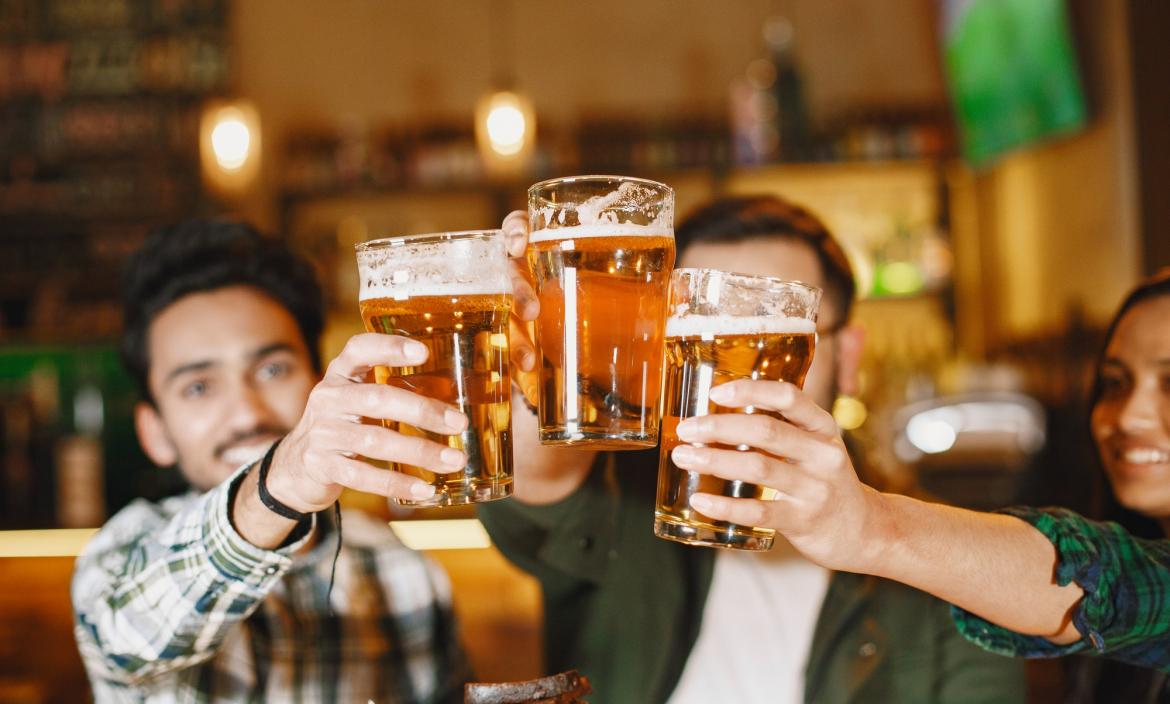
261, 432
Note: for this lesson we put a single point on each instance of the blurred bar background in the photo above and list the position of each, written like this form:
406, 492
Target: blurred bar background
994, 230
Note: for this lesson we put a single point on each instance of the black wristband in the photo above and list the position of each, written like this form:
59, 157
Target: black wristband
268, 499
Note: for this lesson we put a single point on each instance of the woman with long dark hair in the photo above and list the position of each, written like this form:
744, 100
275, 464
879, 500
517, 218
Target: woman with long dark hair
1130, 423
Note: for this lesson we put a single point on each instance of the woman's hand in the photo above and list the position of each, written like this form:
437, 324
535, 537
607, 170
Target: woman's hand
820, 507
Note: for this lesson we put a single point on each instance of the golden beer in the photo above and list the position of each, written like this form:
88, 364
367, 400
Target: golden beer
466, 333
602, 291
467, 368
702, 352
694, 366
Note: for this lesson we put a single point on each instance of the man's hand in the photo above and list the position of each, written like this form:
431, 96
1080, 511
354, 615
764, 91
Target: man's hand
323, 452
526, 306
543, 474
821, 507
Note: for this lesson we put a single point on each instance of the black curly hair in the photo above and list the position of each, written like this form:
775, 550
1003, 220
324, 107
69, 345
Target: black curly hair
735, 219
204, 255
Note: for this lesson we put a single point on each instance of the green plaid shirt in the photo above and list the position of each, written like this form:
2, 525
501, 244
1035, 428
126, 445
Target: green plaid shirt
1125, 612
173, 605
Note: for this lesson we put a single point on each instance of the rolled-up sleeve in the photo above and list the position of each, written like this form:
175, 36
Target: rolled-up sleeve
1125, 612
152, 595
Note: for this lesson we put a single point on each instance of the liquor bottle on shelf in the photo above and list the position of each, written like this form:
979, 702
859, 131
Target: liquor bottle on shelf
769, 115
16, 454
79, 472
29, 406
788, 90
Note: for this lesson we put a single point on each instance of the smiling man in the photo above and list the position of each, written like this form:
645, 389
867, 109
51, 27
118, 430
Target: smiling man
227, 592
206, 351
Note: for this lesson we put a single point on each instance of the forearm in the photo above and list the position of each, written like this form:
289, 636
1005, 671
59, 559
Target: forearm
254, 521
995, 566
165, 599
544, 475
136, 641
1038, 582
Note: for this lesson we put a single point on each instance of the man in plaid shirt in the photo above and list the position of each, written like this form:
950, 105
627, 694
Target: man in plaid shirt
228, 593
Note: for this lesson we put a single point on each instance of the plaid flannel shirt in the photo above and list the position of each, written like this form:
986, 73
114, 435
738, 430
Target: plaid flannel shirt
1125, 612
173, 605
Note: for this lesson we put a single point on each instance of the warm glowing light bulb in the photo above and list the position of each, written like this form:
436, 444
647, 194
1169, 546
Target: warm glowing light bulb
850, 413
230, 141
506, 125
505, 131
230, 145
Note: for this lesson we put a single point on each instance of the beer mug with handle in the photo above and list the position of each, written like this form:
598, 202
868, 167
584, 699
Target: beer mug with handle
452, 292
600, 254
724, 327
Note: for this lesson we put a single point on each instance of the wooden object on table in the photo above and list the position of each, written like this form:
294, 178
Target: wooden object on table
562, 688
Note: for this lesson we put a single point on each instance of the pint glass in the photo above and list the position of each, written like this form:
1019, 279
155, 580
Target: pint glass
724, 327
600, 253
451, 292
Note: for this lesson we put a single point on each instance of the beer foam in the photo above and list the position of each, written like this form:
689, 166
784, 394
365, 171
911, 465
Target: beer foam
602, 215
586, 231
401, 293
712, 325
463, 268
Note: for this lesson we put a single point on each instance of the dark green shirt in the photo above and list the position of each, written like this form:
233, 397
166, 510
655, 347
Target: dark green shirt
625, 607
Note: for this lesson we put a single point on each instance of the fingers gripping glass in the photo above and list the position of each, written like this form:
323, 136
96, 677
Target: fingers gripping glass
724, 327
451, 292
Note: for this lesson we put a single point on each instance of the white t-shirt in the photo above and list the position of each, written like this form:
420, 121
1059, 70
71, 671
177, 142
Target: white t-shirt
757, 629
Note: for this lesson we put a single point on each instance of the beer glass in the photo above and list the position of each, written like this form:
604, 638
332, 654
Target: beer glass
600, 254
724, 327
451, 292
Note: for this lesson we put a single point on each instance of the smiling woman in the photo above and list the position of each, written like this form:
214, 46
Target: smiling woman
1131, 402
1130, 423
1132, 414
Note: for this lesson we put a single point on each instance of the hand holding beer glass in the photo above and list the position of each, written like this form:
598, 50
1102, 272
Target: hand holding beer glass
600, 252
453, 293
723, 327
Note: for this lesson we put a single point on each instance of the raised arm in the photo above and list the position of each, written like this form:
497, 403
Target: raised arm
159, 591
996, 566
153, 594
544, 475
